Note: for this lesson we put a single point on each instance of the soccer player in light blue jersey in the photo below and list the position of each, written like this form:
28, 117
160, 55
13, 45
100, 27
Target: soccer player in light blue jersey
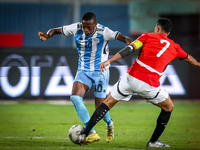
92, 45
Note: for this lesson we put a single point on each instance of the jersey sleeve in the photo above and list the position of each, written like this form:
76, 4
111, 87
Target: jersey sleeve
143, 38
181, 53
70, 29
109, 34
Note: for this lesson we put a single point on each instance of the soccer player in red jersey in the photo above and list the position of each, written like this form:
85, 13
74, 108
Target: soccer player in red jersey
157, 50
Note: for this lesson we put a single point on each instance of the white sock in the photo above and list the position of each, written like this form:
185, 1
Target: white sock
111, 124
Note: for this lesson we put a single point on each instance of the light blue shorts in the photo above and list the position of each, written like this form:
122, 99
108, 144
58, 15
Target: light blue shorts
97, 79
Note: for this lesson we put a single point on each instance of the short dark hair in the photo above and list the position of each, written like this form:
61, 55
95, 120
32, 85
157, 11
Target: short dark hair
89, 16
165, 24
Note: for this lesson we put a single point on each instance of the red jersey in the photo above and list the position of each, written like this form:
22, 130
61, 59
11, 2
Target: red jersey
157, 51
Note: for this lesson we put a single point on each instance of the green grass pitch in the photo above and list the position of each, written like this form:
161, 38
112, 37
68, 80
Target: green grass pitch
42, 126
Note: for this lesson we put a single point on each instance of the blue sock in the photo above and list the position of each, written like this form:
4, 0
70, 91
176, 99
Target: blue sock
81, 110
86, 125
107, 118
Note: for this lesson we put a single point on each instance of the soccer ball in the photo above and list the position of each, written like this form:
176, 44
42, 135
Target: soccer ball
74, 132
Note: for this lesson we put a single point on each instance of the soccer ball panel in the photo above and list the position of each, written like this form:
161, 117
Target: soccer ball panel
74, 132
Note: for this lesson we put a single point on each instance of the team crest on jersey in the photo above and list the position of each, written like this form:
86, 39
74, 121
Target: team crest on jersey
95, 40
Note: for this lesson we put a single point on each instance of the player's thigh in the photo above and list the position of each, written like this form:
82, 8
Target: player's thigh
81, 84
122, 90
161, 99
100, 83
155, 95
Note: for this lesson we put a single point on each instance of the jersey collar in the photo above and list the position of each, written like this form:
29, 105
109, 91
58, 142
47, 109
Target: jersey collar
93, 32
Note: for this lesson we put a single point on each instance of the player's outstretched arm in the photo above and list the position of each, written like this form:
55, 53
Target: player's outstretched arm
191, 60
104, 64
125, 39
44, 36
122, 53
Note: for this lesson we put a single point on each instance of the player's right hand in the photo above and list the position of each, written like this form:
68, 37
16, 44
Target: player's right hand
43, 36
128, 40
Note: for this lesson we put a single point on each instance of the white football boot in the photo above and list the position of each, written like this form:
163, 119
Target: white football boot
157, 143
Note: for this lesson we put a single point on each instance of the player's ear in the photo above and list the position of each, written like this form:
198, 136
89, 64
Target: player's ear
156, 30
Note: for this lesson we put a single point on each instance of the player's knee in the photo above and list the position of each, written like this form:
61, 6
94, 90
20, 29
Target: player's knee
170, 107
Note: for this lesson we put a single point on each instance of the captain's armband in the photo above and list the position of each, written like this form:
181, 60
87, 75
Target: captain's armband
138, 44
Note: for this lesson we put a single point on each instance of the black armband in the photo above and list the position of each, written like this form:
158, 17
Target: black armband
126, 51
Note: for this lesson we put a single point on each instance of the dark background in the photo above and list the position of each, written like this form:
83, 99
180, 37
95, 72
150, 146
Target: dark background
21, 21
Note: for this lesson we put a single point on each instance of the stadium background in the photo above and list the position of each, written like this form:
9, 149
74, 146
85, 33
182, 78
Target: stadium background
31, 69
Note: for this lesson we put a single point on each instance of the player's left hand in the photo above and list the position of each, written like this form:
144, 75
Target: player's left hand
103, 65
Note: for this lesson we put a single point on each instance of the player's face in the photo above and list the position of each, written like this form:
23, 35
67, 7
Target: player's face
89, 26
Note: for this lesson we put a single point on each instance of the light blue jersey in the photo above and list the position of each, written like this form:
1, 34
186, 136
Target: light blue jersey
92, 49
